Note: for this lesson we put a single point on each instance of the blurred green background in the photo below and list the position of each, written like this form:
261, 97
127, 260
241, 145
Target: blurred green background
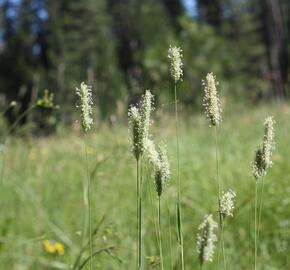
120, 48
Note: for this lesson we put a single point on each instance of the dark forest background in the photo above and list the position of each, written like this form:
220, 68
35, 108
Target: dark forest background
120, 48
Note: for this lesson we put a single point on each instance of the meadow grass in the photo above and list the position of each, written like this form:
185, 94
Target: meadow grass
41, 195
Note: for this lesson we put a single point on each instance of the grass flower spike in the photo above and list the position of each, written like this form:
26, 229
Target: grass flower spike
158, 159
145, 112
85, 95
263, 157
175, 56
135, 123
206, 239
268, 141
139, 122
162, 171
151, 153
258, 168
211, 100
227, 203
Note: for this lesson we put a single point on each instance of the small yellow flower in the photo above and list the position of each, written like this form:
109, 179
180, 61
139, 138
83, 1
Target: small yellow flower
49, 246
59, 247
53, 247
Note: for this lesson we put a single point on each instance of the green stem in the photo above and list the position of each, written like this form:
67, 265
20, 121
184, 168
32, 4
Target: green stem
179, 215
106, 249
14, 125
20, 117
170, 234
223, 244
217, 169
256, 195
84, 247
219, 254
159, 232
219, 195
260, 208
154, 211
140, 218
89, 204
137, 210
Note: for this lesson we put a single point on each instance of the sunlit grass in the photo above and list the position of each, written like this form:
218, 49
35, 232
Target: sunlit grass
41, 194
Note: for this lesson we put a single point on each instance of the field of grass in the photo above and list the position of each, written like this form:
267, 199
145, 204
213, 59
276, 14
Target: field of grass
42, 195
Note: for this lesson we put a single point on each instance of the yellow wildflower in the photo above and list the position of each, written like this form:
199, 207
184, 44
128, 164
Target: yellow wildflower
49, 246
53, 247
59, 247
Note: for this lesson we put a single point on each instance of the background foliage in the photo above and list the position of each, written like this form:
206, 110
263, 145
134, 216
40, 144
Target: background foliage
120, 48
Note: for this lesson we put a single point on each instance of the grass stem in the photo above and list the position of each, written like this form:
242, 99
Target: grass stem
179, 216
19, 118
6, 136
260, 205
89, 204
154, 212
256, 201
170, 234
137, 211
221, 227
140, 218
159, 232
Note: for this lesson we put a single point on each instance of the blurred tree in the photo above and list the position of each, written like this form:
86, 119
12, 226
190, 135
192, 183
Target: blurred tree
211, 11
274, 34
244, 28
82, 47
125, 13
174, 9
18, 64
143, 50
120, 48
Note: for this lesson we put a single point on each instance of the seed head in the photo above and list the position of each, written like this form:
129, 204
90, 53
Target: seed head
145, 112
264, 153
85, 96
175, 56
47, 101
134, 123
206, 239
227, 203
139, 122
13, 103
268, 141
211, 100
258, 168
159, 160
151, 153
162, 170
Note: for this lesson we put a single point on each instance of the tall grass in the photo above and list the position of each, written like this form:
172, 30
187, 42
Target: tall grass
139, 122
61, 156
175, 56
85, 96
211, 102
262, 162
